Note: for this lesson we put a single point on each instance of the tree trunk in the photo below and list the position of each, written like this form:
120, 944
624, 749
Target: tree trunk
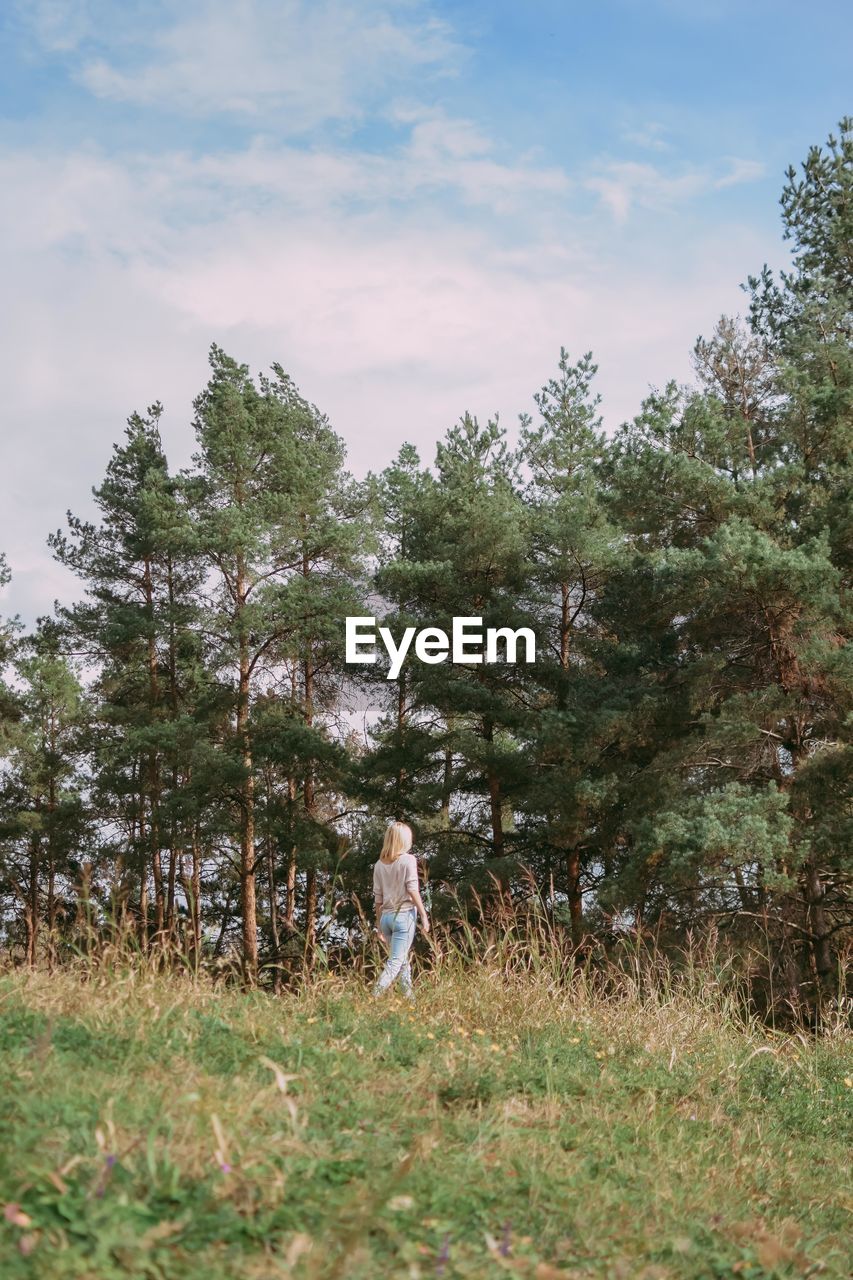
575, 893
290, 881
247, 835
310, 915
153, 763
51, 916
308, 687
192, 888
143, 904
309, 799
32, 908
565, 624
84, 903
173, 866
290, 892
495, 802
400, 780
273, 893
156, 864
51, 856
176, 844
447, 781
824, 961
137, 845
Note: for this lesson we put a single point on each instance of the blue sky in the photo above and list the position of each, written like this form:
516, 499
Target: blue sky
410, 205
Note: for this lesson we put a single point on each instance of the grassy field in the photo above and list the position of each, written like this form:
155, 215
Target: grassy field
152, 1126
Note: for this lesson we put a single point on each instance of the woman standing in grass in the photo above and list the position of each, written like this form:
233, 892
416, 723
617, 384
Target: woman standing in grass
398, 904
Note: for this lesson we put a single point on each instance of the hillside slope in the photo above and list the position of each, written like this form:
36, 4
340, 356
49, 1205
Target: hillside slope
155, 1127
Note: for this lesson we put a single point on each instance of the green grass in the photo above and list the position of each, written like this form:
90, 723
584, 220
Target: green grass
511, 1124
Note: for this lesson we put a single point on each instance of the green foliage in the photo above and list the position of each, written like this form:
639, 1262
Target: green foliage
677, 758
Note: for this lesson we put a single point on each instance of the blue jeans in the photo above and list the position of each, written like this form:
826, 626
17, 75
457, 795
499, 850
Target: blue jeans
398, 930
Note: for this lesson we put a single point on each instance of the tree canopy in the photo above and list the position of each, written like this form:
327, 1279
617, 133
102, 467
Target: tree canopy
186, 752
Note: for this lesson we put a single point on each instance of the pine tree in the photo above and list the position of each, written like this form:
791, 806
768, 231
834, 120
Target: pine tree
44, 823
573, 548
466, 549
127, 625
402, 772
278, 522
733, 497
8, 704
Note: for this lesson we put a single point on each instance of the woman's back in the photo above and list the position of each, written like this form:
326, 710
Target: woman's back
392, 882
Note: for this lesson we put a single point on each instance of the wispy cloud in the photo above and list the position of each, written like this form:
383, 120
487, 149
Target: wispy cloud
302, 62
622, 185
61, 26
314, 197
741, 171
650, 136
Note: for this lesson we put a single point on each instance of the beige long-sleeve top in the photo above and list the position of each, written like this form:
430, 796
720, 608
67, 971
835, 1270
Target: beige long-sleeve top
392, 882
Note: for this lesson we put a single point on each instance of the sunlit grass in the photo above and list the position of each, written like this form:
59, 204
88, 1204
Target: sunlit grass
523, 1118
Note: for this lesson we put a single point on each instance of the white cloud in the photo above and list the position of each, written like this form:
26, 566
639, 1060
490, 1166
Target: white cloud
741, 171
622, 185
400, 286
300, 62
58, 26
648, 136
393, 314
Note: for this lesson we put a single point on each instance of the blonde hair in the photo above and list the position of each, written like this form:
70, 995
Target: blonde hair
398, 839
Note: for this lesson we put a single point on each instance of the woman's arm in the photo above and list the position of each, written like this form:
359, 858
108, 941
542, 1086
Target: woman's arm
415, 895
376, 929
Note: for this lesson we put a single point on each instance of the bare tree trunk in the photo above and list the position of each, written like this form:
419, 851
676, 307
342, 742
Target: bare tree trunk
273, 892
309, 798
824, 961
191, 885
51, 860
144, 871
496, 804
746, 899
51, 916
249, 911
575, 894
137, 841
447, 781
192, 888
84, 904
400, 780
32, 908
496, 808
157, 869
565, 624
175, 842
790, 970
143, 903
223, 927
310, 915
153, 763
196, 883
173, 868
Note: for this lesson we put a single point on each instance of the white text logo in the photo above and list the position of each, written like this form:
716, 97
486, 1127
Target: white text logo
432, 645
